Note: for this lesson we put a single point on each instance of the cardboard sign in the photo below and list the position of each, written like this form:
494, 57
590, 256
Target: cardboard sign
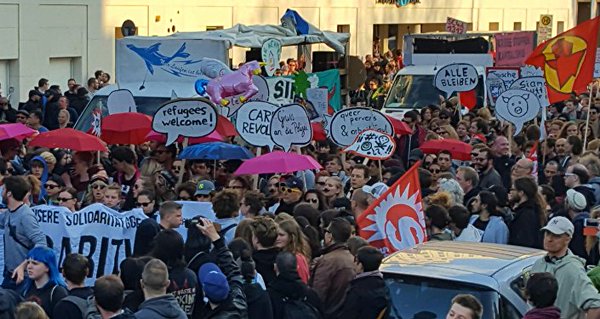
271, 54
318, 98
347, 124
253, 123
185, 117
535, 85
290, 125
456, 77
120, 101
597, 65
499, 80
372, 144
455, 26
517, 106
513, 48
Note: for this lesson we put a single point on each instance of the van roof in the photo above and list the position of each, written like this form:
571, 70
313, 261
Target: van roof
152, 89
431, 69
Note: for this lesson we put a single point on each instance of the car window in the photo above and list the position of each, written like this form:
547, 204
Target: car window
509, 311
412, 297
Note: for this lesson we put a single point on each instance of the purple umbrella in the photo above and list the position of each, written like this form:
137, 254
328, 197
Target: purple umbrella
277, 162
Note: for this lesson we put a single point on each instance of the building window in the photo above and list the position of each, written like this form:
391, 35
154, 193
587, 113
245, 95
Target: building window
494, 26
560, 27
214, 27
517, 26
343, 28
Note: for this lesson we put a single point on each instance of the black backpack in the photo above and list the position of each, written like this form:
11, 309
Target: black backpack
299, 309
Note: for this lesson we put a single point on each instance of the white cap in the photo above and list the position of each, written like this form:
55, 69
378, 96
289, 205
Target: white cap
560, 225
375, 190
576, 200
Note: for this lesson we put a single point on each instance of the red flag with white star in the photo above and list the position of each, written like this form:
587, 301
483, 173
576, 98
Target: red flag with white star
396, 220
568, 60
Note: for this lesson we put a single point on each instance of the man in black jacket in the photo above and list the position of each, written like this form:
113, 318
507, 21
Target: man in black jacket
288, 286
75, 270
368, 297
222, 282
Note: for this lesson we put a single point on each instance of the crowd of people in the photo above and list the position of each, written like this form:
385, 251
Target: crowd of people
290, 246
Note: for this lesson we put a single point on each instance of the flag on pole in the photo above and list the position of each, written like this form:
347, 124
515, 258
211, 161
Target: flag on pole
96, 123
534, 158
568, 60
396, 220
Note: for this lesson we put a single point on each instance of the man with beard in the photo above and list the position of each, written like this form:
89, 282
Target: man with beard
550, 171
482, 161
502, 161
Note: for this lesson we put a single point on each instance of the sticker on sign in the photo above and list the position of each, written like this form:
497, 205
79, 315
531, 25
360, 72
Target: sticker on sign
185, 117
456, 77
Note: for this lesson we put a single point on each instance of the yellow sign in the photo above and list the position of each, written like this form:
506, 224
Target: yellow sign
546, 20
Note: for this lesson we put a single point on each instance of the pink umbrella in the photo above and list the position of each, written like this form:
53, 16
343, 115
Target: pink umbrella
15, 130
277, 162
161, 138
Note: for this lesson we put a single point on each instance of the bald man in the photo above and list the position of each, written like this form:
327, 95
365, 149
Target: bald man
523, 167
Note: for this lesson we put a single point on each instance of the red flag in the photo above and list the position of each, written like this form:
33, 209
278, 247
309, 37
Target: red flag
468, 99
396, 220
534, 158
568, 60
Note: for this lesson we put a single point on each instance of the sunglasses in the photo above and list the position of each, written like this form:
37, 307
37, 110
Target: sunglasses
50, 186
98, 186
290, 190
62, 199
138, 204
312, 200
321, 183
434, 171
202, 196
3, 104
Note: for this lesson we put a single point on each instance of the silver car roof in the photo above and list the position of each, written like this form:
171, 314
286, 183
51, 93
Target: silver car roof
479, 263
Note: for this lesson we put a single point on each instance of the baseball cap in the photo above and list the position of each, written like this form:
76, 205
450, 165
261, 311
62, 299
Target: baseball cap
560, 225
576, 200
204, 187
295, 182
375, 190
214, 282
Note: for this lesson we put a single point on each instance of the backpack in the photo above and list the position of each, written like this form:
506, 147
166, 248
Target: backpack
299, 309
87, 307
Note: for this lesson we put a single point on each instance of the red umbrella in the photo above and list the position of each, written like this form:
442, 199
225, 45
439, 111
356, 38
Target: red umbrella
70, 139
15, 130
400, 127
225, 127
318, 131
162, 138
126, 128
460, 150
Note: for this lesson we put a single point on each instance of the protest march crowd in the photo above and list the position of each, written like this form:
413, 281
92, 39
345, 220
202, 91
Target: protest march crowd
290, 245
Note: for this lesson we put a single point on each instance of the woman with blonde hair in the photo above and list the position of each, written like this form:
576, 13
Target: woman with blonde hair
96, 189
29, 310
150, 167
64, 119
291, 238
447, 132
333, 189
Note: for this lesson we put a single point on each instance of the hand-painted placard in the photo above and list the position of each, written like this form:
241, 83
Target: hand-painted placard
456, 77
499, 80
290, 125
455, 26
271, 53
346, 124
517, 106
185, 117
253, 123
372, 144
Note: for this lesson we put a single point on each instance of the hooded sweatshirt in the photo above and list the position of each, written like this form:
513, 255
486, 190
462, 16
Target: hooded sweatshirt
543, 313
576, 293
162, 307
496, 230
44, 178
470, 233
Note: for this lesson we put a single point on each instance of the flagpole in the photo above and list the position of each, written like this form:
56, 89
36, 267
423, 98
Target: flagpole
587, 117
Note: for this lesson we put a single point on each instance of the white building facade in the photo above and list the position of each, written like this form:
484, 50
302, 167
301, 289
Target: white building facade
62, 39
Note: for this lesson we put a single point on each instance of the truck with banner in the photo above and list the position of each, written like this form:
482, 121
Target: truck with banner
424, 55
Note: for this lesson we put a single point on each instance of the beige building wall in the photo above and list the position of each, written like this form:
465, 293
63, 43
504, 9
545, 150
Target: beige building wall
58, 39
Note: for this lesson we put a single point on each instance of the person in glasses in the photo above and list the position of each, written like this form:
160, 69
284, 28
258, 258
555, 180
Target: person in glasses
53, 187
322, 177
483, 162
165, 155
577, 177
291, 195
142, 184
185, 191
96, 188
204, 191
68, 198
239, 185
146, 200
316, 199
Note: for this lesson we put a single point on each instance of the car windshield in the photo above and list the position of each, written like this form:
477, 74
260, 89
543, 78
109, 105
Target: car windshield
417, 91
421, 297
146, 105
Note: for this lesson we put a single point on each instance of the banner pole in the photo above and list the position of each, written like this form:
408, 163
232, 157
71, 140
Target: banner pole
180, 178
255, 177
380, 172
587, 118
